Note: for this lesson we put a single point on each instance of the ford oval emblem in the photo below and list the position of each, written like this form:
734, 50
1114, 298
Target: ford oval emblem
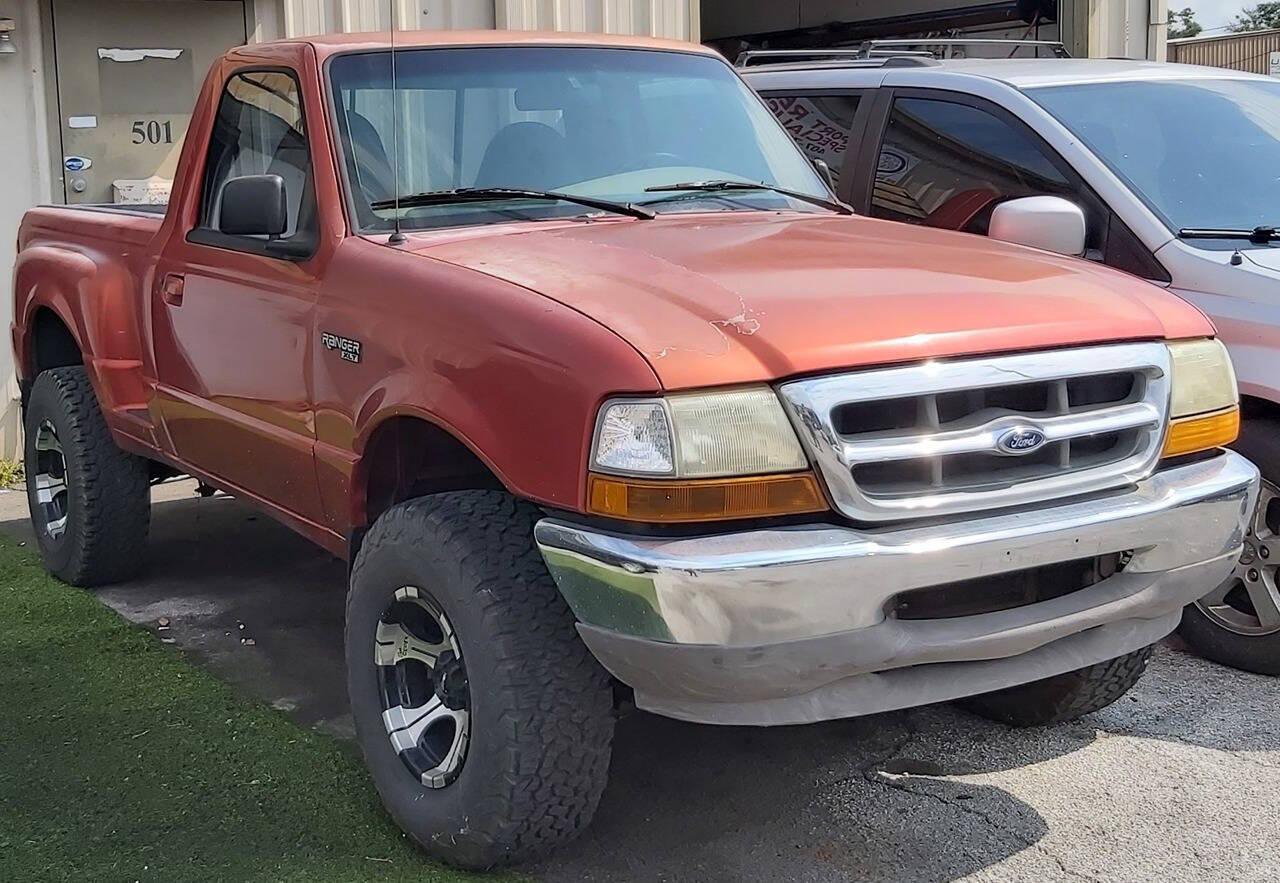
1020, 440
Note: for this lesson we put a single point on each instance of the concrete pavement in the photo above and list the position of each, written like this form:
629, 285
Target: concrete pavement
1180, 780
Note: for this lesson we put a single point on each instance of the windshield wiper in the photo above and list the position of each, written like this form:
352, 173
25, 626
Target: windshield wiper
1258, 235
721, 186
485, 194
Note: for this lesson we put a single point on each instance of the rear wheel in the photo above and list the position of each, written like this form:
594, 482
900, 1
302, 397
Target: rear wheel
1064, 697
483, 718
1238, 623
89, 501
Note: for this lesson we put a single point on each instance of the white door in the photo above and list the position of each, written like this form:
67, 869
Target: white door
128, 72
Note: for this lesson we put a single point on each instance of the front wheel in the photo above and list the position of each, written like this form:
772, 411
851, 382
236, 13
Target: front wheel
482, 716
1064, 697
1238, 623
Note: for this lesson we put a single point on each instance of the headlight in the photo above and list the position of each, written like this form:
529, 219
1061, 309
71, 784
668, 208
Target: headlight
697, 435
1204, 403
719, 454
634, 437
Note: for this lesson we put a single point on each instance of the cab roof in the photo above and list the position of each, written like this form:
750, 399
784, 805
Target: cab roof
331, 44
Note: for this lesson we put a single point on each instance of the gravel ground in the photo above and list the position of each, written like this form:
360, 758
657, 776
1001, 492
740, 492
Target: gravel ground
1180, 780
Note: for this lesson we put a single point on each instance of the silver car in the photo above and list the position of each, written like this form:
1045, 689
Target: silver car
1170, 172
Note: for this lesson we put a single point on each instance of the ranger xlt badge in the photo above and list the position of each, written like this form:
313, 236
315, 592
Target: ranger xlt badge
347, 348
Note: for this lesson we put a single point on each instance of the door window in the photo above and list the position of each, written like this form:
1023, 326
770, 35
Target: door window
260, 130
820, 124
947, 164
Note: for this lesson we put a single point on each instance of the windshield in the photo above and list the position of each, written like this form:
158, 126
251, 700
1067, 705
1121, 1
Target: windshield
605, 123
1200, 153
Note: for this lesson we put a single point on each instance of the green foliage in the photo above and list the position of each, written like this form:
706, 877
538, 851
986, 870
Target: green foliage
1256, 18
10, 472
121, 761
1182, 23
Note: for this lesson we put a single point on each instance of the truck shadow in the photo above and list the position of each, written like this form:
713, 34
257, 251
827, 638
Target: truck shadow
907, 795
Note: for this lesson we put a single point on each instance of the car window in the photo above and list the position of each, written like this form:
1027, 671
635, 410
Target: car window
259, 130
1202, 153
947, 164
820, 124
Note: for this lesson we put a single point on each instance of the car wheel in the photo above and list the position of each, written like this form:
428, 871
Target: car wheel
1238, 623
90, 501
484, 719
1064, 697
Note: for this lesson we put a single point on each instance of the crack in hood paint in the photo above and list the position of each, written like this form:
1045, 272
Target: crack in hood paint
733, 298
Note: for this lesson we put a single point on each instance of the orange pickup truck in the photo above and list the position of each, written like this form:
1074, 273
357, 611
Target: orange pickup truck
570, 351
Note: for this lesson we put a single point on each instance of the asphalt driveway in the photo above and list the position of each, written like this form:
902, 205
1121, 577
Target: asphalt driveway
1178, 781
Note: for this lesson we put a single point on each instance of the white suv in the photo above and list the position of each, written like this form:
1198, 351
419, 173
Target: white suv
1171, 172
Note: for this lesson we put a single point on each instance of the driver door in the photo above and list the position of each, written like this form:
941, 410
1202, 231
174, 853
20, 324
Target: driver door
233, 319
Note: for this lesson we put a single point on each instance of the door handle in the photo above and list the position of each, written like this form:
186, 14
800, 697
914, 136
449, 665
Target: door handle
172, 289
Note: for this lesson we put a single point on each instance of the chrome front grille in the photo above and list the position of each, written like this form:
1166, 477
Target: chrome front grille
944, 437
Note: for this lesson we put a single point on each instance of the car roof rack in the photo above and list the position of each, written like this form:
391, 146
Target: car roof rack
844, 57
1057, 47
888, 53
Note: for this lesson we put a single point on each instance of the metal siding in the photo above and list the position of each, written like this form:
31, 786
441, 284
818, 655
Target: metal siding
677, 19
658, 18
299, 18
1239, 52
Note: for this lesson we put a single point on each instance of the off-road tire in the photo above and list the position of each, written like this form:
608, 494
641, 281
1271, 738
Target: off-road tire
541, 706
1064, 697
1260, 442
108, 490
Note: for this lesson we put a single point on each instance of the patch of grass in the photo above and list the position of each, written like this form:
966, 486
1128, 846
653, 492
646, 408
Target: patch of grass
121, 761
11, 472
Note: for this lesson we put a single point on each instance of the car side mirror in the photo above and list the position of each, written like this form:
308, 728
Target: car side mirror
254, 205
1048, 222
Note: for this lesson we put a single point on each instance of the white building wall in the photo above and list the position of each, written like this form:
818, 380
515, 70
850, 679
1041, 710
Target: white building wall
24, 164
299, 18
1128, 28
292, 18
676, 19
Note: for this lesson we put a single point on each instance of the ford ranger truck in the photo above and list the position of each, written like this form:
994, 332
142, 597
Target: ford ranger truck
564, 344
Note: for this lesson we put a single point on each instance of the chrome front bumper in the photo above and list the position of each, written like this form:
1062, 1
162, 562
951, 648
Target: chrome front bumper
791, 624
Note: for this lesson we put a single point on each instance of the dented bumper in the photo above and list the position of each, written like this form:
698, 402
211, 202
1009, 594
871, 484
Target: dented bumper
794, 624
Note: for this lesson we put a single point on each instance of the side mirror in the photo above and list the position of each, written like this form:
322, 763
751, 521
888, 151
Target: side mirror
254, 205
1048, 222
824, 171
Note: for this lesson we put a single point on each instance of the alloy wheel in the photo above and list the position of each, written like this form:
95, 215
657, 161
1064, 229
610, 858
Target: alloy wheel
51, 481
1248, 602
426, 699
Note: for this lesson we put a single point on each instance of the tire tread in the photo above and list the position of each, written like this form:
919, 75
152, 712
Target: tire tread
556, 724
1064, 697
112, 485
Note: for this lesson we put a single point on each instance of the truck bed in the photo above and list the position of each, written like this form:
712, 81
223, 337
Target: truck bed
83, 224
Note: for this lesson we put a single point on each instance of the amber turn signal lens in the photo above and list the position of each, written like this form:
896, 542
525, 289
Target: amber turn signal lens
713, 499
1191, 434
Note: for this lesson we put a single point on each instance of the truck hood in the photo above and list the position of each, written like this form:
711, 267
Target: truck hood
736, 298
1267, 258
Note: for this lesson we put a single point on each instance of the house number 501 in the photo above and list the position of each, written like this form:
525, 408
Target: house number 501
152, 132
